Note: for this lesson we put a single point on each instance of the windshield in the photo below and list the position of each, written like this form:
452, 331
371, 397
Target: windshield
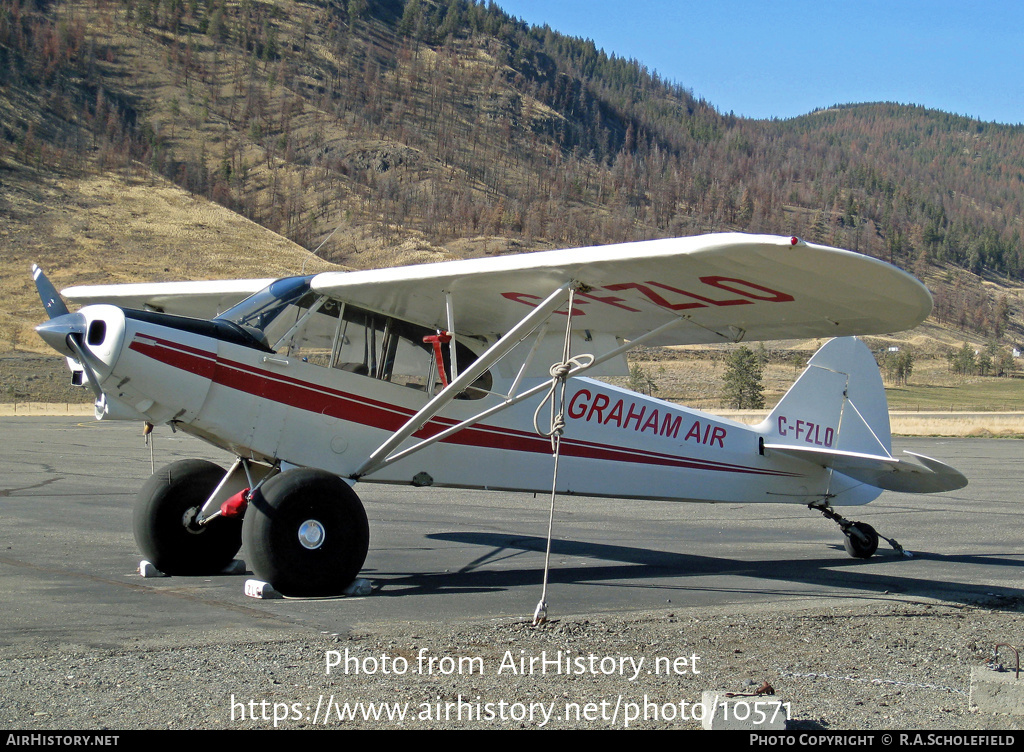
260, 309
258, 313
290, 319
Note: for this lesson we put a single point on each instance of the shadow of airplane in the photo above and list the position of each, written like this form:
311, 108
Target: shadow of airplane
631, 567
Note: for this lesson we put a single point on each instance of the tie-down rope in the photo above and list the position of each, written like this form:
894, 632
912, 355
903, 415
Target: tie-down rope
556, 394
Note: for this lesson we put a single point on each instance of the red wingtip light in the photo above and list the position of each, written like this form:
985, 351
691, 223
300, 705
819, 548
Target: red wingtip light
794, 240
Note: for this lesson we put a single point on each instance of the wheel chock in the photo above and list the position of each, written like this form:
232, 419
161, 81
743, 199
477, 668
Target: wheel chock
359, 587
146, 569
264, 590
261, 589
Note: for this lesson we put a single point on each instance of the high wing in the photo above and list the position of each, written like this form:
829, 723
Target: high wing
197, 299
725, 287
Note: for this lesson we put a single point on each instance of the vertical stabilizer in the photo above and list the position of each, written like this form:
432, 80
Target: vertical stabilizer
836, 416
837, 404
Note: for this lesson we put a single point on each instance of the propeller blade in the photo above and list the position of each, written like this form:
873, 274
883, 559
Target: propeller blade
90, 374
52, 301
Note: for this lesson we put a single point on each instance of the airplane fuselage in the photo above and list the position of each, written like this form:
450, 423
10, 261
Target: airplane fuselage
273, 407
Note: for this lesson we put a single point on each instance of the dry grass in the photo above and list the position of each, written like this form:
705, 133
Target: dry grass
979, 425
121, 228
37, 409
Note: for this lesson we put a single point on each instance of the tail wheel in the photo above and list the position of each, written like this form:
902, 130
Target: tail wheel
164, 521
306, 533
861, 547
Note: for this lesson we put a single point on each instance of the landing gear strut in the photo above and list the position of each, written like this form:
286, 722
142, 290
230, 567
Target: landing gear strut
861, 540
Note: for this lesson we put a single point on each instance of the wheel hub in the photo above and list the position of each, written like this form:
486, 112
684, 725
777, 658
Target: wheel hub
311, 534
189, 520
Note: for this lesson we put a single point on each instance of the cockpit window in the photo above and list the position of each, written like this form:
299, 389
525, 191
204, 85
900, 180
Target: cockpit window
294, 321
259, 314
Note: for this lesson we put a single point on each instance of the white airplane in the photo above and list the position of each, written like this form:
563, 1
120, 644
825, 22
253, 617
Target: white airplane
434, 375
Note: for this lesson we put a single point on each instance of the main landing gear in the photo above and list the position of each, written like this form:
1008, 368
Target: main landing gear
306, 533
860, 539
305, 530
165, 526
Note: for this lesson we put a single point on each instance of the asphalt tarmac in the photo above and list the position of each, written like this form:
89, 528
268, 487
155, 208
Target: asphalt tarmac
68, 561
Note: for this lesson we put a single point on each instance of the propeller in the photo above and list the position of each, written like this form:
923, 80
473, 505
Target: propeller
65, 330
52, 301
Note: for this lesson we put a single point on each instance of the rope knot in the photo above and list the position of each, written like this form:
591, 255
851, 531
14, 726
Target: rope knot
560, 371
556, 395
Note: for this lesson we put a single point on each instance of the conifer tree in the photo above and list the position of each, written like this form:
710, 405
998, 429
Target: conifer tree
743, 389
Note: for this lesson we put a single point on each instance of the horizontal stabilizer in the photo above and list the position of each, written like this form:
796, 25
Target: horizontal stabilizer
888, 473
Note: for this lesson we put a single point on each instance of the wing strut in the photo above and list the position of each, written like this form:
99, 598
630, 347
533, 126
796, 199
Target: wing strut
451, 331
381, 457
492, 355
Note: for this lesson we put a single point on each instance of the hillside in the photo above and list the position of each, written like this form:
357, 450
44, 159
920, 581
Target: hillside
422, 130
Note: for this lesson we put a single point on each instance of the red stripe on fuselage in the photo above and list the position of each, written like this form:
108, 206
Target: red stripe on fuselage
366, 411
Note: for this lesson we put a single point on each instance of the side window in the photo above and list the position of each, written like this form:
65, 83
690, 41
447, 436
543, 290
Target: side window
478, 389
327, 333
408, 362
357, 344
307, 330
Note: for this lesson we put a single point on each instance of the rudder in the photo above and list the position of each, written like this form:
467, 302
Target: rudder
838, 403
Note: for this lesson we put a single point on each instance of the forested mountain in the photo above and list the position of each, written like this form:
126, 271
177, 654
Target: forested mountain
430, 123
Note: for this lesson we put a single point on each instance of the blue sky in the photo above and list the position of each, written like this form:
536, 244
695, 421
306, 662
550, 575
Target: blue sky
788, 57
